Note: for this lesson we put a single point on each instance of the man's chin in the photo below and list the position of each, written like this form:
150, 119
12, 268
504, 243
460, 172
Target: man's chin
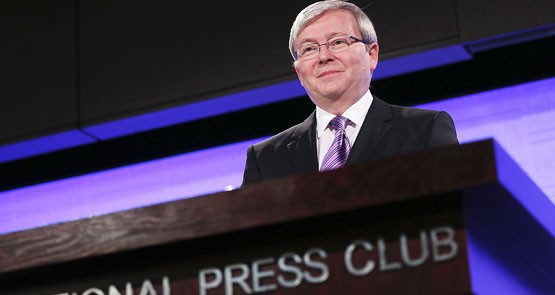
325, 99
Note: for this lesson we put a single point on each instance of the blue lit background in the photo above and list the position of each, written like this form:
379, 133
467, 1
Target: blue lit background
521, 118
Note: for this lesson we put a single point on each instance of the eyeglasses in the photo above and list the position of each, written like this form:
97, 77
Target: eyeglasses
335, 45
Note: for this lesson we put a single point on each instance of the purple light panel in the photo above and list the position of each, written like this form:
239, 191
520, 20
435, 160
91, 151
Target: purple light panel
521, 118
148, 183
509, 253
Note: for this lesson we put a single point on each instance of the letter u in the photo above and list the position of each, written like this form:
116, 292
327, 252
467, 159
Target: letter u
424, 253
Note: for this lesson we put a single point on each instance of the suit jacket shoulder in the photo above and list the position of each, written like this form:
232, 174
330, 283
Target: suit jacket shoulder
390, 130
290, 152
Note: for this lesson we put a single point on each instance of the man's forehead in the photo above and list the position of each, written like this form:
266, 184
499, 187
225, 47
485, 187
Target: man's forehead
327, 25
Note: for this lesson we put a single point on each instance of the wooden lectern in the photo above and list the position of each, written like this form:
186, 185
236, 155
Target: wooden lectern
454, 220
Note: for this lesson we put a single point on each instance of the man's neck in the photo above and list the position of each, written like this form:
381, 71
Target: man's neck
338, 106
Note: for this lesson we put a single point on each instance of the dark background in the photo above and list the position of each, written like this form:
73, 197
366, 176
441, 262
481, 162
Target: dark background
68, 64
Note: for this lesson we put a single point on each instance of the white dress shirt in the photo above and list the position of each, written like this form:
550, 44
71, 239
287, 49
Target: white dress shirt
355, 113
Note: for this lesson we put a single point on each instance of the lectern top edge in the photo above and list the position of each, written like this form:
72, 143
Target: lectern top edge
442, 170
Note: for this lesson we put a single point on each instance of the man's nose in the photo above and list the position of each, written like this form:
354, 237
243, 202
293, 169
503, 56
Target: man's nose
324, 54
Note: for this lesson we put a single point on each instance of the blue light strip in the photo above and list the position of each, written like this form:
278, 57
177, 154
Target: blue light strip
43, 145
421, 61
216, 106
181, 114
198, 110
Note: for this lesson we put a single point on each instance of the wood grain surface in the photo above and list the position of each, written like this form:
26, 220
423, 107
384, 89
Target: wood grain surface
376, 183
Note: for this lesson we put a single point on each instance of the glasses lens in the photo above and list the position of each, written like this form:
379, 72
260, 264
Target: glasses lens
335, 44
338, 44
307, 51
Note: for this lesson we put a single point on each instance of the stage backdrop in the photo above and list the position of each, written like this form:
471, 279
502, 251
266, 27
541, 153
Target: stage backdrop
521, 118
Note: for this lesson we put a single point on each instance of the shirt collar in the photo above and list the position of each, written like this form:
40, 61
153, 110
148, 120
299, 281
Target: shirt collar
355, 113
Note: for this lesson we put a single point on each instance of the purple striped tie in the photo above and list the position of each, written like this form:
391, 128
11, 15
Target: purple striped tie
337, 155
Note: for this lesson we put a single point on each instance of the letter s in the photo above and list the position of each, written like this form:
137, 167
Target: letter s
283, 266
316, 265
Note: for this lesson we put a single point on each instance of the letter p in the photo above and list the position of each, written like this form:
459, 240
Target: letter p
203, 275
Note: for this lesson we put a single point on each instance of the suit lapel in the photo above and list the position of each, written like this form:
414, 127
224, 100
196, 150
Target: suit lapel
302, 148
376, 124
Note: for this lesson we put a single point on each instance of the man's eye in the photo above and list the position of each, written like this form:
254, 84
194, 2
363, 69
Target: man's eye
338, 42
308, 49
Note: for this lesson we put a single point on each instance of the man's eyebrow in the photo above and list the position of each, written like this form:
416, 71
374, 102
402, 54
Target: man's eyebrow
328, 36
307, 41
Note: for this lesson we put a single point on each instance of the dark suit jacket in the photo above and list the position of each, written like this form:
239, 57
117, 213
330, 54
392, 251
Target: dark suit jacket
388, 130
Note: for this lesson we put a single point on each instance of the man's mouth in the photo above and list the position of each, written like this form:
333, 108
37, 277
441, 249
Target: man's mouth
327, 73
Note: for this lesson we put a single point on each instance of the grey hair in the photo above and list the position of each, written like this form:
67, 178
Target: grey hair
307, 15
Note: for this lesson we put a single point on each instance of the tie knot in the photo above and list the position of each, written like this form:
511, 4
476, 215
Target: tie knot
339, 123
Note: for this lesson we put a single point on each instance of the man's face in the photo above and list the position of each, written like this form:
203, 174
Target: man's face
335, 81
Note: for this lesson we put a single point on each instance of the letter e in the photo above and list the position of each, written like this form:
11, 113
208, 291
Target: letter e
257, 275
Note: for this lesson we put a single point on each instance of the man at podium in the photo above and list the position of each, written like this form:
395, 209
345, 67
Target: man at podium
335, 51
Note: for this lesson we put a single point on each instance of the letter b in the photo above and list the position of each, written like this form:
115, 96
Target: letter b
448, 242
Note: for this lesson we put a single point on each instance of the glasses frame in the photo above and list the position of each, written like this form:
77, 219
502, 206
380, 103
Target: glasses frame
351, 39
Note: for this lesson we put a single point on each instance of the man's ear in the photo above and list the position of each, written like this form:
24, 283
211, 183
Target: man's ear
373, 51
297, 71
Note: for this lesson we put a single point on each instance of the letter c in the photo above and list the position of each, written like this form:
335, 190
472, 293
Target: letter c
368, 267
